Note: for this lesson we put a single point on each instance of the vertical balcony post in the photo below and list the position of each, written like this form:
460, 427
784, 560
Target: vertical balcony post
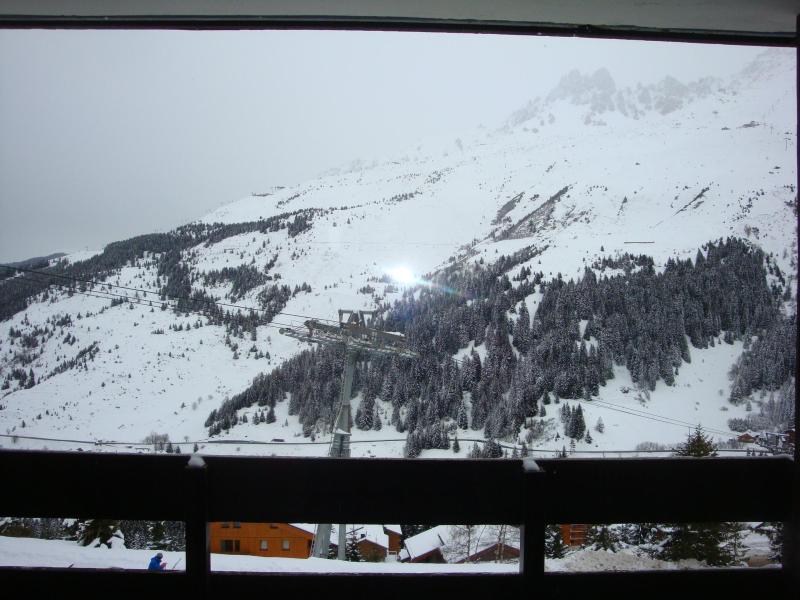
198, 559
533, 528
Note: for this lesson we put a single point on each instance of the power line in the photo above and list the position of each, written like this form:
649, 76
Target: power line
111, 295
677, 421
143, 302
639, 412
652, 417
272, 443
144, 291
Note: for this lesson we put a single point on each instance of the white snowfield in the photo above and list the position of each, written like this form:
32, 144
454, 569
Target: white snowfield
671, 165
29, 552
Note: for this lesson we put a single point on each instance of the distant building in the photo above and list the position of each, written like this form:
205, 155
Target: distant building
496, 552
450, 544
395, 536
425, 547
574, 534
288, 540
777, 442
375, 542
295, 540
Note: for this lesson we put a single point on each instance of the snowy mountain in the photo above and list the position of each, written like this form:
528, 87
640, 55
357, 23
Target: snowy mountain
590, 172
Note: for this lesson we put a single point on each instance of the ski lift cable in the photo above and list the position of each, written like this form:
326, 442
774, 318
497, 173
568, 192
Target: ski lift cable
270, 443
656, 418
608, 404
156, 293
144, 302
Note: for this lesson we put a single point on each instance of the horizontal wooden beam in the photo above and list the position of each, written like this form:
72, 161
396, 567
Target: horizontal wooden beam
365, 490
92, 485
136, 486
88, 583
638, 490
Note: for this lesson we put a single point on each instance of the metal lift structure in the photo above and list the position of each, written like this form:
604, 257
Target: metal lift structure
355, 334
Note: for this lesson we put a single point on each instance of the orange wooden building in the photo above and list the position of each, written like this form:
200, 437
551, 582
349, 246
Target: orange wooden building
495, 552
395, 535
261, 539
574, 534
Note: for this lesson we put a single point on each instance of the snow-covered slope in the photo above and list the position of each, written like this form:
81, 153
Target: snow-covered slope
587, 172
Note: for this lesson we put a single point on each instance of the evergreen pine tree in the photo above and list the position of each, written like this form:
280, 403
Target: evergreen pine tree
775, 535
599, 426
352, 552
462, 416
602, 537
554, 546
98, 532
135, 533
456, 445
697, 444
577, 426
715, 543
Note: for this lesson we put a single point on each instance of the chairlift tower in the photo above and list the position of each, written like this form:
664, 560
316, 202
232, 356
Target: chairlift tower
355, 335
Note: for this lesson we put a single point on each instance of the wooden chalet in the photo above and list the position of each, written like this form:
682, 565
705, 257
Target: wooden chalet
437, 545
286, 540
375, 542
496, 552
395, 538
574, 534
425, 547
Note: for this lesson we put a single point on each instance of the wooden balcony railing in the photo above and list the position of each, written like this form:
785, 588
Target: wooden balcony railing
527, 493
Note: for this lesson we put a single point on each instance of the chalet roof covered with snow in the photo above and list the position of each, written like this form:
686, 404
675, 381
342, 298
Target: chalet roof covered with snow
424, 543
371, 532
447, 540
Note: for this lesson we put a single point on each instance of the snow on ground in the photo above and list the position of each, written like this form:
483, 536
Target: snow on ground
78, 256
28, 552
604, 560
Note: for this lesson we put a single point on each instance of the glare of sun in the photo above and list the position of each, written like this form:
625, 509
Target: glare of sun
402, 275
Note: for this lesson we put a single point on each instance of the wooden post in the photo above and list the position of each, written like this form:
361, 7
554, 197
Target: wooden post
531, 556
198, 559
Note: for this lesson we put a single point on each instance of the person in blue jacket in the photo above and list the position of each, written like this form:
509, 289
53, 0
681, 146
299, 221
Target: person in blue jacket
156, 564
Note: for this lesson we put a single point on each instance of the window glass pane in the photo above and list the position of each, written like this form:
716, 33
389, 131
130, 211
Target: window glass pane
569, 249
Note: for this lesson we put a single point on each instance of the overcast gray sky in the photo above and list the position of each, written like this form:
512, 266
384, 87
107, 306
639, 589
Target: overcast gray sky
109, 134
